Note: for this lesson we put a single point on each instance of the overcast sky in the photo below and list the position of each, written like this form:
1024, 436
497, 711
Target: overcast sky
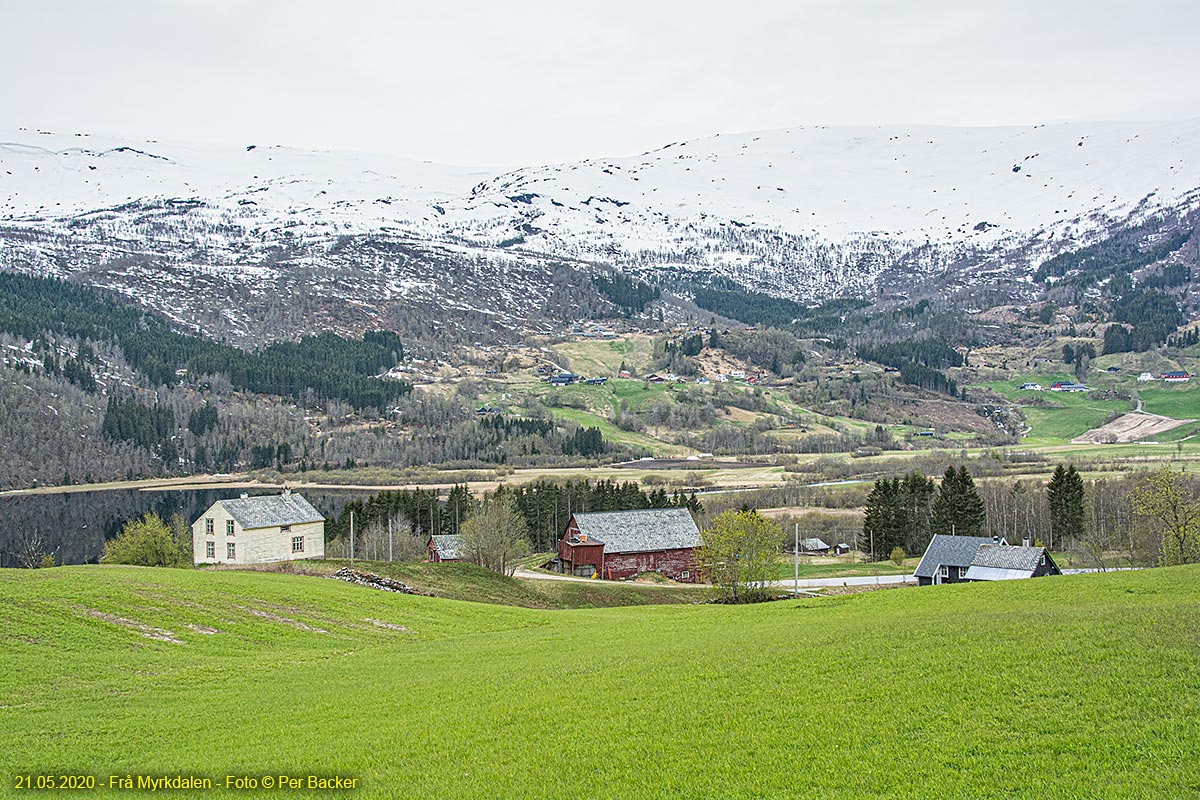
508, 82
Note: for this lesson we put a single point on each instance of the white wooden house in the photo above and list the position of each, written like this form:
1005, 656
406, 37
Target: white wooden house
255, 530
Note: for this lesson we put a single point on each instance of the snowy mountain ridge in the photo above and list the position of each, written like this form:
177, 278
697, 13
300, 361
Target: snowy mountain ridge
807, 212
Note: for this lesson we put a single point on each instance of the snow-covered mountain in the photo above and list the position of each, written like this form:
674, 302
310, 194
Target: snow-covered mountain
809, 212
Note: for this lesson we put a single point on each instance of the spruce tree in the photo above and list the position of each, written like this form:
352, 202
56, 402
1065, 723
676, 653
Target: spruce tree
1066, 496
958, 508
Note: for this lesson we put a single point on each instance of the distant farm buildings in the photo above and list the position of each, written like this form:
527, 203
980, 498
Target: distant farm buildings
954, 559
257, 530
1064, 386
1031, 387
1176, 376
620, 544
814, 546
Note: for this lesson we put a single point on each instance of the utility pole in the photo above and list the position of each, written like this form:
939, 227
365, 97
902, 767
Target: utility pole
796, 549
351, 540
389, 538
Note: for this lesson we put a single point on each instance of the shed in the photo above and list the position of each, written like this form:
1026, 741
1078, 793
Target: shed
813, 545
621, 544
444, 547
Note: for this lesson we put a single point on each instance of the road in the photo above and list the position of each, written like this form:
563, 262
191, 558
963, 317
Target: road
850, 580
805, 583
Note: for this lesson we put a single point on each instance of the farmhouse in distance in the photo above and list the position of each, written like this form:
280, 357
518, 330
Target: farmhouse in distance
954, 559
257, 530
620, 544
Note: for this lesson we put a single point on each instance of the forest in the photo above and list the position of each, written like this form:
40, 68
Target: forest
326, 367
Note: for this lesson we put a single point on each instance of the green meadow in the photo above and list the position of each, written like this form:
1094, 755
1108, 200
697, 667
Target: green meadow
1070, 687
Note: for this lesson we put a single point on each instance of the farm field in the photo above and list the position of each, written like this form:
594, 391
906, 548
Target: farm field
1080, 686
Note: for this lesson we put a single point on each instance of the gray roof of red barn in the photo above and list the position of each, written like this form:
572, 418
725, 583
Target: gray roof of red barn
271, 510
640, 531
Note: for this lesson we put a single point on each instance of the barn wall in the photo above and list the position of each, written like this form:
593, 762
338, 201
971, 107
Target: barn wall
672, 563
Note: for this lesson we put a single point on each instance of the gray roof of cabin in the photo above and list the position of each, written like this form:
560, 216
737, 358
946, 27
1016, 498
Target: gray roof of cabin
1026, 559
952, 551
270, 510
813, 543
640, 531
449, 545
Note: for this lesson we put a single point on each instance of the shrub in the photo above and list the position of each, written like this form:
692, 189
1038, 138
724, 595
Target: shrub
150, 542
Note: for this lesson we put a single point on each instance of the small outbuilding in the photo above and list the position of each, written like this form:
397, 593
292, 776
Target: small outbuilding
620, 544
258, 530
444, 547
814, 547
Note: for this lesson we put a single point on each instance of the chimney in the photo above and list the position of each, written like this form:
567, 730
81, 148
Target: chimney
287, 492
995, 540
245, 495
1025, 542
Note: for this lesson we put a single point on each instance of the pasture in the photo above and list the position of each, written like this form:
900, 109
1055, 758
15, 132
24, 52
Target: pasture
1080, 686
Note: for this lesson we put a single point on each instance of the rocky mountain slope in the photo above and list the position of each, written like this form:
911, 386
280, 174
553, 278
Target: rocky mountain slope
261, 241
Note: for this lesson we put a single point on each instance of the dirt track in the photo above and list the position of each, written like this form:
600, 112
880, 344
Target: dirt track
1132, 427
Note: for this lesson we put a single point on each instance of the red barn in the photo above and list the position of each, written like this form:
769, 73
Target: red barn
444, 548
620, 544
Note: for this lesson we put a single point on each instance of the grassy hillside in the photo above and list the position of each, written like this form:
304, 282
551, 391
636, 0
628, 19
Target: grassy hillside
463, 581
1061, 687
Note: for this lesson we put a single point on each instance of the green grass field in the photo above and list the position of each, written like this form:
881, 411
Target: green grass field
1074, 687
1181, 400
787, 568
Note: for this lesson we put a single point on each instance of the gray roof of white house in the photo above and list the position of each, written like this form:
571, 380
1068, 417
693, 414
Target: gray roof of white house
449, 545
1025, 559
640, 531
951, 551
271, 510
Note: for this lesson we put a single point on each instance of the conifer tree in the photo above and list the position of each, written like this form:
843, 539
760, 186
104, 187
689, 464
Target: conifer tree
1065, 496
958, 508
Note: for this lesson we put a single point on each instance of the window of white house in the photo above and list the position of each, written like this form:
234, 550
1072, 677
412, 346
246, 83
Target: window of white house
229, 527
297, 544
208, 526
945, 571
210, 550
231, 551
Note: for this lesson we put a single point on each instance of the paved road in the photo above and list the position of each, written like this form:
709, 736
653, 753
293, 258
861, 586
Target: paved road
805, 583
855, 580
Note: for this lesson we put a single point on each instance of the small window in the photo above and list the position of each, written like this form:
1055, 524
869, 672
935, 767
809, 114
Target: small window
1043, 562
231, 551
208, 526
962, 573
297, 544
210, 550
229, 527
686, 575
285, 528
945, 571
